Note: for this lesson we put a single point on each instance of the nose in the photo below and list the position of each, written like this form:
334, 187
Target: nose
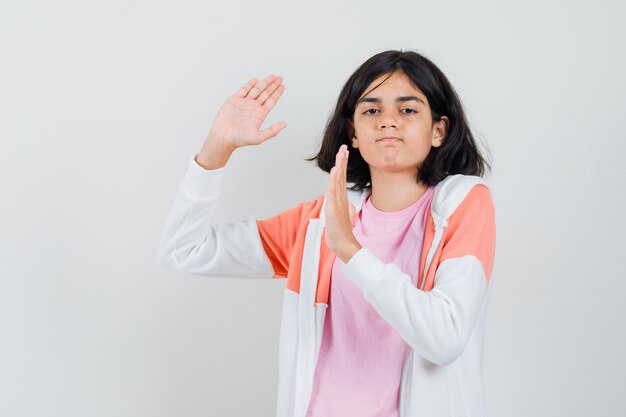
387, 120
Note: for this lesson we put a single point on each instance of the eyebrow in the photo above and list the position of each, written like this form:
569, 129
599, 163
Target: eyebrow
398, 100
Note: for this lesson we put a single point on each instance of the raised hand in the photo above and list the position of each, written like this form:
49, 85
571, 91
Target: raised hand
340, 213
239, 120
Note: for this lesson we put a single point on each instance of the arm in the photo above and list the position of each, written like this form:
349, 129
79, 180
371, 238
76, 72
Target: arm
191, 243
437, 324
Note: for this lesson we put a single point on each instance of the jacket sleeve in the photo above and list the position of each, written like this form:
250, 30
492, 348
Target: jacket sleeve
438, 323
283, 235
278, 236
190, 242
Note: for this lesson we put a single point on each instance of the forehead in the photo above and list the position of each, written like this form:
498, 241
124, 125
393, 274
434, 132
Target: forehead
395, 84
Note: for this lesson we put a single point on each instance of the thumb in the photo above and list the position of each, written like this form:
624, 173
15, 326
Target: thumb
271, 131
352, 213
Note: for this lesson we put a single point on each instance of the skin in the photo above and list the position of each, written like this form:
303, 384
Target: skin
340, 214
239, 120
393, 164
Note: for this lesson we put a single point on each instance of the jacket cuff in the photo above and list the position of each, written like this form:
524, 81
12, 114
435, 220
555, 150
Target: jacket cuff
364, 268
202, 183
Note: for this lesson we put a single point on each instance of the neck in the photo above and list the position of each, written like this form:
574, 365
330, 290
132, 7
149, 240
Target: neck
392, 191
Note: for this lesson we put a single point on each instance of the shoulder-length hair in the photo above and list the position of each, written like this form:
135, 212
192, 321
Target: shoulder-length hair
458, 154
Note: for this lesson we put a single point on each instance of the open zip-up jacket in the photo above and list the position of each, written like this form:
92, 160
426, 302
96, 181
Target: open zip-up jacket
442, 319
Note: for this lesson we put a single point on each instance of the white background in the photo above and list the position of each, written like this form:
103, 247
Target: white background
102, 105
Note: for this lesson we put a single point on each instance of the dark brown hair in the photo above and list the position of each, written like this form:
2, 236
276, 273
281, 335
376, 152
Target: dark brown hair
458, 154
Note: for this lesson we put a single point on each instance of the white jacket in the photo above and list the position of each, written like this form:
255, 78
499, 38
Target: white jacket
442, 318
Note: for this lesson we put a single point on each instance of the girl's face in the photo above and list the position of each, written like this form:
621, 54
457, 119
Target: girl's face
393, 125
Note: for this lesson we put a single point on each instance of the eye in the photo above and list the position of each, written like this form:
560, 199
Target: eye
409, 110
369, 110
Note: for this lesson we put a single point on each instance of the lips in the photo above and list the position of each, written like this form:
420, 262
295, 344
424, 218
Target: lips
388, 139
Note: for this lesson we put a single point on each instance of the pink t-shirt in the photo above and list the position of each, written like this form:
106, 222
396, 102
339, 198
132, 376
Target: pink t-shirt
360, 362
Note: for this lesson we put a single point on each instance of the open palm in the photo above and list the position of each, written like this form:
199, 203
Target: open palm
240, 119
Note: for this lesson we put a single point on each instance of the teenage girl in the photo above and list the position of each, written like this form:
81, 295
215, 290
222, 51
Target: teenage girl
388, 279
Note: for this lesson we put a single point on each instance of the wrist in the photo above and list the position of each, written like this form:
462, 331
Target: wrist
220, 141
215, 152
346, 251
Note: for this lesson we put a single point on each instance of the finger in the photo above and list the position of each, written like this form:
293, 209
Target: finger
344, 176
273, 99
332, 193
265, 94
246, 87
338, 192
330, 190
257, 89
342, 195
339, 174
271, 131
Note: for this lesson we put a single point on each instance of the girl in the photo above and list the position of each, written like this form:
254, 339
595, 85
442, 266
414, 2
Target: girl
387, 280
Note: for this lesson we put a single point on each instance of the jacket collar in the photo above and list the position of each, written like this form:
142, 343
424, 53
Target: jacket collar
449, 194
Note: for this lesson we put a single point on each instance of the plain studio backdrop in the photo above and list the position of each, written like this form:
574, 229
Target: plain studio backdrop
102, 106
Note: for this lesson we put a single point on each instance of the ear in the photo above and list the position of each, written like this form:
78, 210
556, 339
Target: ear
440, 128
351, 133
